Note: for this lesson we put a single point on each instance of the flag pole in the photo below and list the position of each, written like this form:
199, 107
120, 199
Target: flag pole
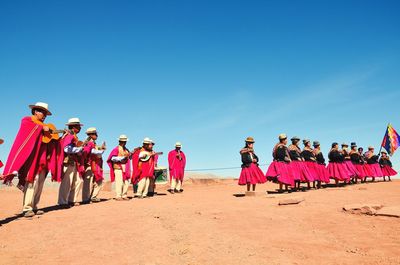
380, 149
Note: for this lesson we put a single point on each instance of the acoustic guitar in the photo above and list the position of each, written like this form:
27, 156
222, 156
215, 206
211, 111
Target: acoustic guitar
52, 134
149, 155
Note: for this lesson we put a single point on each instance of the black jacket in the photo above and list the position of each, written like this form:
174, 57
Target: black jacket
320, 158
335, 156
281, 153
246, 159
385, 162
308, 155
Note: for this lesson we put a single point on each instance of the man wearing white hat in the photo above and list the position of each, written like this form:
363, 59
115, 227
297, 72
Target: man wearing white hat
143, 167
93, 177
120, 168
71, 182
177, 163
29, 158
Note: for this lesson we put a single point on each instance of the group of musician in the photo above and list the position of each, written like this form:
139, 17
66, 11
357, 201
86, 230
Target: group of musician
293, 165
39, 150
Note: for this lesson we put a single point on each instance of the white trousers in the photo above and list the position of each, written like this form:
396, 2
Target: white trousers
176, 184
33, 191
143, 187
90, 188
121, 185
70, 187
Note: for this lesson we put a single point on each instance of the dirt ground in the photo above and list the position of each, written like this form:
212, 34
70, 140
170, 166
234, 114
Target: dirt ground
209, 223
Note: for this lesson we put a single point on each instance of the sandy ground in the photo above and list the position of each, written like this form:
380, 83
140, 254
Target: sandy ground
206, 224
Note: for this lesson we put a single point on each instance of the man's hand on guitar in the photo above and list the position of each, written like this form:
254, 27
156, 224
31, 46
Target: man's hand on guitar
46, 128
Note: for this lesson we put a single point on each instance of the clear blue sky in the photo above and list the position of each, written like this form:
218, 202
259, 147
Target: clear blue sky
206, 73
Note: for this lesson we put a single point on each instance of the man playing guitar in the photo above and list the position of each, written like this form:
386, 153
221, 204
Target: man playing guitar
143, 167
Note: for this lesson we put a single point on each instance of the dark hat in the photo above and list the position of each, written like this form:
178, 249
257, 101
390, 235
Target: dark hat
344, 144
305, 141
316, 143
353, 144
295, 138
334, 143
249, 140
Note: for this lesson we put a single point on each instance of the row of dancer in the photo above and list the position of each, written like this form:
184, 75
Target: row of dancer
292, 165
78, 165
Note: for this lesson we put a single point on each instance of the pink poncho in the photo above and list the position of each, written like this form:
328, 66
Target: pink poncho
176, 166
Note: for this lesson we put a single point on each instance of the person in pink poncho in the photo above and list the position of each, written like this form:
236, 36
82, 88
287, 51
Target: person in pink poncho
120, 168
177, 163
143, 161
30, 159
93, 177
71, 183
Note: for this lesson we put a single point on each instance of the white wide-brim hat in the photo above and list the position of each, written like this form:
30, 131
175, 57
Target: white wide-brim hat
178, 144
91, 130
42, 106
123, 138
74, 121
147, 140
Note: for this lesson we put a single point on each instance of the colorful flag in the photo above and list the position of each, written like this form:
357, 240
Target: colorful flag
391, 140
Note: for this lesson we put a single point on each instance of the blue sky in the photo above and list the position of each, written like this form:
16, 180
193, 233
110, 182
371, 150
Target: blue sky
206, 73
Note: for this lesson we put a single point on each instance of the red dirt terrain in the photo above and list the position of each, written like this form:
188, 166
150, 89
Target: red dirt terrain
206, 224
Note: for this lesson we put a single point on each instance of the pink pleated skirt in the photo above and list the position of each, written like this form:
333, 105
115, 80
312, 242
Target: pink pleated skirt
374, 170
252, 175
280, 172
388, 171
338, 171
300, 172
361, 171
351, 168
323, 174
312, 169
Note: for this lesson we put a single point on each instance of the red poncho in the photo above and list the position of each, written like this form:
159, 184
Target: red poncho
28, 155
176, 165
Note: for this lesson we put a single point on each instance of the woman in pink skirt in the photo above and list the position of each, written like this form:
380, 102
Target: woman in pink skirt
251, 174
358, 162
279, 170
336, 168
386, 166
364, 163
323, 173
299, 169
347, 162
372, 166
310, 162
